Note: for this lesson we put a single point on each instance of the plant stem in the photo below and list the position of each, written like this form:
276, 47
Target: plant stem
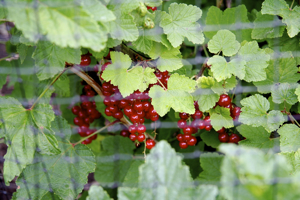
205, 51
96, 132
292, 5
44, 92
293, 119
161, 84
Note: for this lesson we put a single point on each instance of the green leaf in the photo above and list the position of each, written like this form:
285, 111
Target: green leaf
123, 28
282, 69
205, 82
57, 173
152, 3
224, 85
24, 136
285, 43
249, 173
261, 29
220, 117
256, 137
5, 70
158, 181
254, 113
127, 80
125, 6
181, 22
274, 106
177, 95
22, 51
51, 59
111, 169
62, 86
98, 11
293, 159
289, 138
256, 61
224, 41
147, 78
281, 8
132, 177
99, 55
210, 138
97, 193
284, 93
223, 70
297, 92
211, 165
216, 20
58, 22
167, 59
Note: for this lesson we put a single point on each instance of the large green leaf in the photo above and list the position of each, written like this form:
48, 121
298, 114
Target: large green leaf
220, 117
64, 174
97, 193
177, 96
26, 131
289, 138
181, 22
163, 176
284, 93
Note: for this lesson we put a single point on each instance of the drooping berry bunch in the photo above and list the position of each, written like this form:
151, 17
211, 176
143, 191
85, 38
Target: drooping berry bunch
86, 113
137, 107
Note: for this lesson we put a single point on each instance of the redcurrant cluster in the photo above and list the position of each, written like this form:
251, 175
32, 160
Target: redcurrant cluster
137, 107
86, 113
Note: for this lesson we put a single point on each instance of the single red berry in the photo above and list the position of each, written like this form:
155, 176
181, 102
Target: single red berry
96, 115
115, 89
236, 111
133, 137
201, 124
152, 111
114, 101
184, 115
123, 103
108, 112
183, 145
197, 115
181, 123
103, 67
106, 101
207, 120
118, 114
128, 111
186, 137
223, 137
152, 8
87, 141
132, 129
192, 141
208, 127
180, 137
87, 88
224, 100
150, 143
106, 93
154, 117
222, 130
142, 120
124, 133
86, 105
106, 87
141, 114
83, 129
141, 137
85, 60
229, 106
75, 110
78, 121
188, 130
141, 128
234, 138
138, 106
134, 118
113, 109
146, 105
82, 114
87, 120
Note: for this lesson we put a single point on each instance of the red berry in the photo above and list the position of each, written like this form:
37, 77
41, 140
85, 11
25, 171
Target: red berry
128, 110
82, 114
75, 110
78, 121
113, 109
134, 118
82, 130
124, 133
181, 123
234, 138
223, 137
118, 114
150, 143
106, 93
141, 114
236, 111
180, 137
85, 60
141, 137
197, 115
207, 120
188, 130
184, 115
132, 129
106, 101
133, 137
146, 105
192, 141
87, 141
201, 125
108, 112
138, 106
152, 8
86, 105
123, 103
222, 130
141, 128
186, 137
229, 106
103, 67
107, 87
224, 100
208, 127
87, 88
142, 120
183, 145
154, 117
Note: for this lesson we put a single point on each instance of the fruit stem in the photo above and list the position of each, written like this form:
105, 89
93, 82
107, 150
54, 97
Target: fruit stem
96, 132
205, 51
47, 88
161, 83
293, 119
292, 5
